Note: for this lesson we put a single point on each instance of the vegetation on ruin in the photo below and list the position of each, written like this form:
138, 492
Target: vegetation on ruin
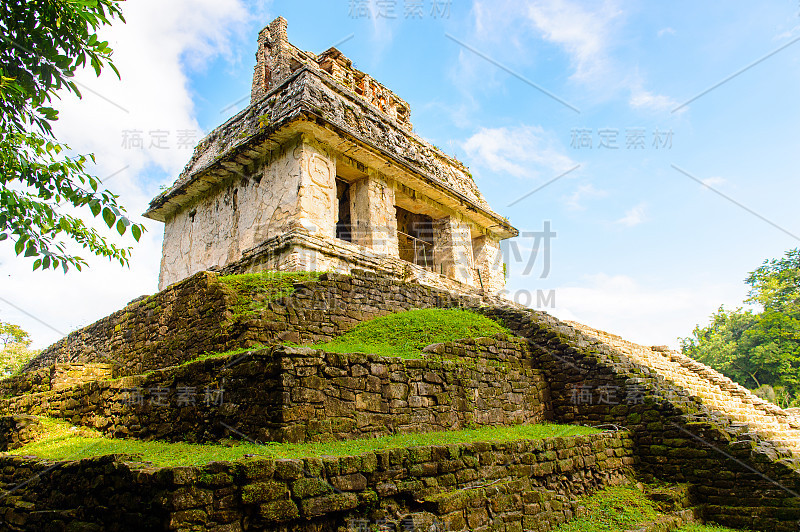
759, 347
255, 290
622, 508
405, 334
61, 441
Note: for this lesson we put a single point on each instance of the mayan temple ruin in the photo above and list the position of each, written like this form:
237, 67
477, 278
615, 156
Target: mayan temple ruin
322, 172
223, 402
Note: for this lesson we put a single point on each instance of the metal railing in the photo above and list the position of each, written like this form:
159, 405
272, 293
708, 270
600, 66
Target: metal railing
416, 251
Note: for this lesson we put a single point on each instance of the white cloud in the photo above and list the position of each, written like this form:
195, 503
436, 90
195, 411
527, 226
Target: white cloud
575, 200
154, 52
645, 314
582, 32
523, 151
714, 181
666, 31
642, 99
634, 216
585, 31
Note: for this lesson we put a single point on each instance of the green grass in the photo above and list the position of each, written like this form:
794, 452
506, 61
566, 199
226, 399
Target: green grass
404, 334
256, 289
622, 508
614, 508
60, 441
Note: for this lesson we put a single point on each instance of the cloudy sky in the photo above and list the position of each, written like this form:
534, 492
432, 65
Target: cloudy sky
658, 141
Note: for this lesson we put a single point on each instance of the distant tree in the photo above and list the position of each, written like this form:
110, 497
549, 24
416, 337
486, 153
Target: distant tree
758, 348
13, 334
43, 43
15, 352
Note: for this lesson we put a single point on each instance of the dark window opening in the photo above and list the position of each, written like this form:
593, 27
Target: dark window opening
415, 238
343, 224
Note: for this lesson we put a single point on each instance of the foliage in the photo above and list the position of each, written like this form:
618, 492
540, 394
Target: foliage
405, 334
13, 358
15, 353
42, 45
63, 442
758, 348
255, 290
10, 333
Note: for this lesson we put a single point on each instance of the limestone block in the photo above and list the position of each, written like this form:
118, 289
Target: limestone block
373, 215
453, 249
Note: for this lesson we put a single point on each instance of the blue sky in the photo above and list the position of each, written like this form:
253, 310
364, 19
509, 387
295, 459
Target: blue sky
642, 249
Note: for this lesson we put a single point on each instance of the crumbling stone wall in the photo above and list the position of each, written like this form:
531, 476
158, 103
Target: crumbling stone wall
299, 394
529, 484
54, 377
741, 477
16, 431
168, 328
737, 477
196, 316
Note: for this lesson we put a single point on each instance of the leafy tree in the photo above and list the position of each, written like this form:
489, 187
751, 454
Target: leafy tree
10, 333
15, 353
760, 349
43, 43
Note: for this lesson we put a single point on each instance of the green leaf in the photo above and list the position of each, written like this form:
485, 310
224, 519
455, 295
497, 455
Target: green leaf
109, 217
135, 231
121, 226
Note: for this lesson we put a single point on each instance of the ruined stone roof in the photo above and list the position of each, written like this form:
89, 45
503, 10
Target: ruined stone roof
313, 99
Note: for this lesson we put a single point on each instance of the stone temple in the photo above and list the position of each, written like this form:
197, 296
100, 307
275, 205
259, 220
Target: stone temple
322, 172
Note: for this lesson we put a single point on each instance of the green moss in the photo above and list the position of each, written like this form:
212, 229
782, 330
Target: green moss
614, 508
255, 290
405, 334
623, 508
60, 441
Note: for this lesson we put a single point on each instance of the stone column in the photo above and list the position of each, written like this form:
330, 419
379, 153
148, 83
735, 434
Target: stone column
372, 215
317, 194
452, 248
489, 262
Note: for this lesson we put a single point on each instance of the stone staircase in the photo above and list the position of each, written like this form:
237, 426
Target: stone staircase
754, 415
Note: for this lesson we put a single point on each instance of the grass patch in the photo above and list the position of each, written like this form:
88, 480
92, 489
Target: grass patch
220, 354
613, 508
405, 334
254, 290
623, 508
61, 441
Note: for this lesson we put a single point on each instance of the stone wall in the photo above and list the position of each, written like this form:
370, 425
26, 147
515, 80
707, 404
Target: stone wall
743, 476
529, 484
55, 377
196, 316
32, 381
16, 431
300, 394
261, 202
739, 478
350, 396
168, 328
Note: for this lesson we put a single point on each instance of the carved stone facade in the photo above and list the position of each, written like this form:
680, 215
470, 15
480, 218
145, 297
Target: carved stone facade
322, 172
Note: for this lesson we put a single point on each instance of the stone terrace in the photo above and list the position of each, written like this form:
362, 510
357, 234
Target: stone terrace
715, 390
